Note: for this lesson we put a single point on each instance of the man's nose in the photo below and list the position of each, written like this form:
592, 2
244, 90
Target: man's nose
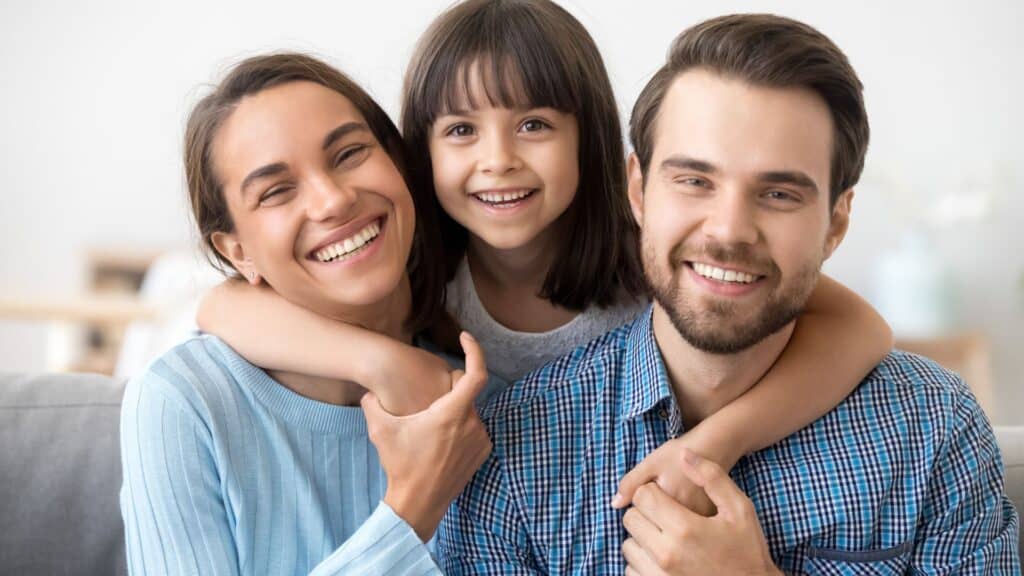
499, 155
730, 219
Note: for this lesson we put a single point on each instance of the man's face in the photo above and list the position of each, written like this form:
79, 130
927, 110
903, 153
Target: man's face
734, 215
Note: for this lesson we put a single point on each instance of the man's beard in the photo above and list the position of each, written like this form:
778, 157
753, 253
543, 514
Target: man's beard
713, 327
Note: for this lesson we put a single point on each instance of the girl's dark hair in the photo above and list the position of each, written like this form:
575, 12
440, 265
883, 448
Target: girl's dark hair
532, 53
206, 193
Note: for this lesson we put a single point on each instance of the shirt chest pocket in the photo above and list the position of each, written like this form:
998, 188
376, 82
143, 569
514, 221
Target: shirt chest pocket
825, 562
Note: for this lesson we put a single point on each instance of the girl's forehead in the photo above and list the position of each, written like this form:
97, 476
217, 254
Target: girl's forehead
485, 82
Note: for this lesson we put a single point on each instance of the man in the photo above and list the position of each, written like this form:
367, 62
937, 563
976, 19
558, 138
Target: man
747, 145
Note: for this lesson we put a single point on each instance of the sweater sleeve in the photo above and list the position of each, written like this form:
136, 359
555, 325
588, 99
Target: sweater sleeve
174, 510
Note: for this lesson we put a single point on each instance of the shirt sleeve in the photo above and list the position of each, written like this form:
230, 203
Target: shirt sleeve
968, 524
175, 517
482, 532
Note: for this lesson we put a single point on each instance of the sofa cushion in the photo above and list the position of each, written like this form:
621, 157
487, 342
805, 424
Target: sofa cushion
1011, 445
60, 473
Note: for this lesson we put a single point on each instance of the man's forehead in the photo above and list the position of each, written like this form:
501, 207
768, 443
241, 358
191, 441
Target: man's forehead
733, 123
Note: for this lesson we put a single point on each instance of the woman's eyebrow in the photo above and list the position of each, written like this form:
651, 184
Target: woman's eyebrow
342, 131
263, 172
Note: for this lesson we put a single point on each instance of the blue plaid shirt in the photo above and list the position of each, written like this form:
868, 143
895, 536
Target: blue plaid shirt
903, 476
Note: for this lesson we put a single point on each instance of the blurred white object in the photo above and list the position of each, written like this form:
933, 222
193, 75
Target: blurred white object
174, 285
913, 288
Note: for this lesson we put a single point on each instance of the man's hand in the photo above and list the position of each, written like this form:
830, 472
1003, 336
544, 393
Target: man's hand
668, 538
430, 456
662, 467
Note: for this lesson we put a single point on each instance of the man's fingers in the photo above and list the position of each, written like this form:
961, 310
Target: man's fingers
643, 473
638, 561
664, 512
645, 532
719, 487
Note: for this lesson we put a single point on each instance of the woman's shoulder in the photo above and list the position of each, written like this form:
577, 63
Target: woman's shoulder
193, 376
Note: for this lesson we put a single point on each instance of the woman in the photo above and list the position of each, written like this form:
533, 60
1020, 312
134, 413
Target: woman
296, 180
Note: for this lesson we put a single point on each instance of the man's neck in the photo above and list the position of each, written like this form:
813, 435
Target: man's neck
704, 382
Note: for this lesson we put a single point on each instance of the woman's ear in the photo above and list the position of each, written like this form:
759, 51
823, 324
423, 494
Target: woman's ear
635, 188
229, 246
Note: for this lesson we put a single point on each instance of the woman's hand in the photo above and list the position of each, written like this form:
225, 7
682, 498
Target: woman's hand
407, 379
430, 456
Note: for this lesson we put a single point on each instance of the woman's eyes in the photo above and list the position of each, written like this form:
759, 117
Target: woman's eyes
270, 195
351, 155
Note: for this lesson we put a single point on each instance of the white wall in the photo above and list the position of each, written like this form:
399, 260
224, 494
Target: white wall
95, 93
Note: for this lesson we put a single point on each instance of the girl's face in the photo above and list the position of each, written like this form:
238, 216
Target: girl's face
320, 210
505, 174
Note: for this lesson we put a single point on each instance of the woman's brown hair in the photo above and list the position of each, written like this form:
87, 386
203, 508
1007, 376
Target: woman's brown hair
206, 194
531, 54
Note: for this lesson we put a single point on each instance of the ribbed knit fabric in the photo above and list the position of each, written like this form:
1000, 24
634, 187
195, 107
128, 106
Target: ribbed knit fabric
226, 471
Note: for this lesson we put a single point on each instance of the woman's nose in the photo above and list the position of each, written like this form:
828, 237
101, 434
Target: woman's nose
330, 200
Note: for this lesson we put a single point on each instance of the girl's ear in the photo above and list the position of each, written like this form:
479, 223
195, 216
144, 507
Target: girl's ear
635, 188
229, 246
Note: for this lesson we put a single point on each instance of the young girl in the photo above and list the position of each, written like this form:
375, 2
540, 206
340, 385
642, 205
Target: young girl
512, 124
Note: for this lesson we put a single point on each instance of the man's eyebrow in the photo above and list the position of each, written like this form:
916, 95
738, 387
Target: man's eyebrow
792, 177
688, 163
263, 172
342, 131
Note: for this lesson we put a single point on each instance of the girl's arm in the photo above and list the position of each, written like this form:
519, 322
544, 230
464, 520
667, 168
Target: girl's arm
275, 334
837, 341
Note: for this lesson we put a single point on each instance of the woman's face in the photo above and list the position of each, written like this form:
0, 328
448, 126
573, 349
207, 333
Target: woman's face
320, 210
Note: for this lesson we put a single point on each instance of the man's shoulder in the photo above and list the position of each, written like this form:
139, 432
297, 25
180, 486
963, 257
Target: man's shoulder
904, 376
576, 377
906, 396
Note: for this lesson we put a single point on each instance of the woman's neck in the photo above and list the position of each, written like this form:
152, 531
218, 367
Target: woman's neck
385, 317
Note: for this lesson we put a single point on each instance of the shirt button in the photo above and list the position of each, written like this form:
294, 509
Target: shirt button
663, 413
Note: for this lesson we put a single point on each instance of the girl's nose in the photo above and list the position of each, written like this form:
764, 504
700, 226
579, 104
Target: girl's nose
499, 156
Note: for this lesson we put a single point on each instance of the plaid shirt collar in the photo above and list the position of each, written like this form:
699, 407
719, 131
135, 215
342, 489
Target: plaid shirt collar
645, 382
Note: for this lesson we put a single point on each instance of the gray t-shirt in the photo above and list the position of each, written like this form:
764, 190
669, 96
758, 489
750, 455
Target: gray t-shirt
511, 354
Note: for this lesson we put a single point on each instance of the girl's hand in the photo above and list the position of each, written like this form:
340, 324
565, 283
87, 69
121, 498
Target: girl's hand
663, 467
430, 456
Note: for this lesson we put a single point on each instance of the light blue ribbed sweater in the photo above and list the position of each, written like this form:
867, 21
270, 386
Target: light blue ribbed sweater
226, 471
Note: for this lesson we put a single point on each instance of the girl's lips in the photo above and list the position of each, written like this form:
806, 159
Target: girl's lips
488, 200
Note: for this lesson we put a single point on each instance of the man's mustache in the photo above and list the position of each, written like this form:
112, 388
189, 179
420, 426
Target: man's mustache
739, 255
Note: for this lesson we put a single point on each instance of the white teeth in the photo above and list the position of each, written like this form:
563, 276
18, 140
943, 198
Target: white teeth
344, 248
723, 275
496, 197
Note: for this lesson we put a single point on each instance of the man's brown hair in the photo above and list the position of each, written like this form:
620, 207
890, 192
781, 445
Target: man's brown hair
771, 51
206, 193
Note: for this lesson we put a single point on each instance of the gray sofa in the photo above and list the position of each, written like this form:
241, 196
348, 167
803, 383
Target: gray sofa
60, 474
